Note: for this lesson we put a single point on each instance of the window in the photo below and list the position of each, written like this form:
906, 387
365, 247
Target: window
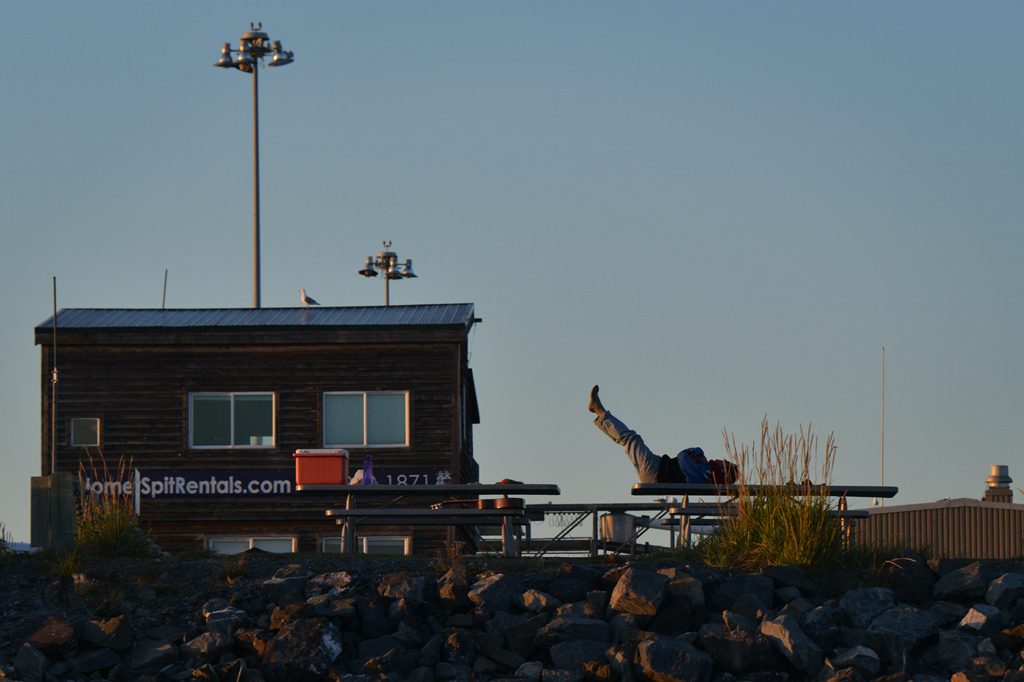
232, 420
235, 545
353, 419
85, 432
373, 544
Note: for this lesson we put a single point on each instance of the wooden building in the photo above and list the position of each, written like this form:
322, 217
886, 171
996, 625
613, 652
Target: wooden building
209, 406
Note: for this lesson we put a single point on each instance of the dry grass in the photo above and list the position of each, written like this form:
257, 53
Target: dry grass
106, 524
789, 520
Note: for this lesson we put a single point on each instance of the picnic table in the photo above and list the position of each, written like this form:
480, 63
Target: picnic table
685, 511
432, 508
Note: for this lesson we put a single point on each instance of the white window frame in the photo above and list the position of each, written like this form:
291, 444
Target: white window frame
252, 541
364, 444
232, 394
72, 432
365, 544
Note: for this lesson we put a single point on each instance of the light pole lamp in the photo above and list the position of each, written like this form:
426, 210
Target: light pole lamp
254, 46
387, 262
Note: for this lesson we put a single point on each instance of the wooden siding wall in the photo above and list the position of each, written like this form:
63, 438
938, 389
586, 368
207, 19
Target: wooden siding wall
972, 530
140, 393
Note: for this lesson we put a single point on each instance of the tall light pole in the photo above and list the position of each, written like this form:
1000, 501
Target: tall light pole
387, 262
253, 47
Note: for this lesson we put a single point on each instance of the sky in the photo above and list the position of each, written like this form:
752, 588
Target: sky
719, 212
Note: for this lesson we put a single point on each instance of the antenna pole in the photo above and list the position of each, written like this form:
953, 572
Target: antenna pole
163, 302
53, 395
883, 418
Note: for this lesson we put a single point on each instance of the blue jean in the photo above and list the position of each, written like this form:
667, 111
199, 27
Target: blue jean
644, 460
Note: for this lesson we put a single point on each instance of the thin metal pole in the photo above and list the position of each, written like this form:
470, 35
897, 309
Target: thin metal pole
883, 419
163, 301
53, 395
255, 187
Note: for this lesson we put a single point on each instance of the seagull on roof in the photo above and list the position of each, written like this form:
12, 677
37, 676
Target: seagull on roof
308, 300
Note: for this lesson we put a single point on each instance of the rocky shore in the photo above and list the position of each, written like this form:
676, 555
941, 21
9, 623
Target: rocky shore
264, 617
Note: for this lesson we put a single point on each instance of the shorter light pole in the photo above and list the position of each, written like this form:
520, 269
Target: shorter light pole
387, 262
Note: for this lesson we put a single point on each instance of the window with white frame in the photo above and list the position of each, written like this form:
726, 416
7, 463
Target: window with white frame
366, 419
231, 420
373, 544
236, 545
85, 432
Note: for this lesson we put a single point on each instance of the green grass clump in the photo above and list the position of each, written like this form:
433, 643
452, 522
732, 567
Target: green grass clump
107, 524
791, 521
7, 554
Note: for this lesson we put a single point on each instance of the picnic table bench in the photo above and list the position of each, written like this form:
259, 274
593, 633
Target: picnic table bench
577, 513
427, 496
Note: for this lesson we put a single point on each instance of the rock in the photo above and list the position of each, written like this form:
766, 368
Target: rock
453, 587
253, 640
331, 606
225, 621
682, 584
373, 616
725, 596
964, 583
303, 650
676, 614
663, 659
30, 663
639, 592
55, 636
283, 615
983, 620
948, 613
207, 647
536, 601
94, 660
150, 656
520, 636
402, 586
989, 665
736, 650
572, 583
865, 604
1005, 591
862, 659
820, 625
955, 649
113, 633
450, 671
787, 595
579, 609
496, 591
574, 655
789, 576
529, 671
910, 577
459, 649
572, 629
899, 632
789, 640
328, 582
750, 606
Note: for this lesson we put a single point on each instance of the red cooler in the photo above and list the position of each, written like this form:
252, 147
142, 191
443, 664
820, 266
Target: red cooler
321, 467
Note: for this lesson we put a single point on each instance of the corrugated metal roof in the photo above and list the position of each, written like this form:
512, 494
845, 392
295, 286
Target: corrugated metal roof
449, 314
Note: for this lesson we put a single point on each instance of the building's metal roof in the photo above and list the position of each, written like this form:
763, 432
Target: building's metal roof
448, 315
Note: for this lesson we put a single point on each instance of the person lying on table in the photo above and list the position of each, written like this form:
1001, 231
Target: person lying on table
688, 466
